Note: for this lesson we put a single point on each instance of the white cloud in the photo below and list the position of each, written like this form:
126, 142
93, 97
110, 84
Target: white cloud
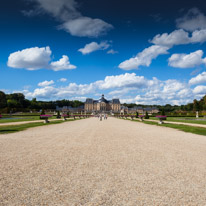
198, 36
177, 37
144, 58
86, 27
123, 80
112, 51
37, 58
200, 90
199, 79
30, 59
187, 60
94, 46
62, 64
46, 83
63, 80
193, 20
72, 20
128, 87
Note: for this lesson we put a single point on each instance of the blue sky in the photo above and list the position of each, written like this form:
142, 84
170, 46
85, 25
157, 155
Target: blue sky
145, 52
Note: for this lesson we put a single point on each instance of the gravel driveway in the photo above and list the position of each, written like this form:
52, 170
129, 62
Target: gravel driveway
114, 162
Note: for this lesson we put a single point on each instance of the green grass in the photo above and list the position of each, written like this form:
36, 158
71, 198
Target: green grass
185, 128
22, 118
186, 120
21, 127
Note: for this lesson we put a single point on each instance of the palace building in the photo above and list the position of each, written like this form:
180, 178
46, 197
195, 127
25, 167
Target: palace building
102, 105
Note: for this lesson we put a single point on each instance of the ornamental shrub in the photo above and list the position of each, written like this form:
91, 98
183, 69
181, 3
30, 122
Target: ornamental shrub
42, 112
58, 115
137, 114
146, 116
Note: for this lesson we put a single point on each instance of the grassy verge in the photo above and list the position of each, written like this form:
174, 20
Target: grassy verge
186, 120
21, 127
21, 119
185, 128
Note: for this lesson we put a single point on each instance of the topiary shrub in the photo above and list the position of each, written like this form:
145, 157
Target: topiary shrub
137, 114
42, 113
58, 115
146, 116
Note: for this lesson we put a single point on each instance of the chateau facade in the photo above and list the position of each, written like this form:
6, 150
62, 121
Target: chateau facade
102, 105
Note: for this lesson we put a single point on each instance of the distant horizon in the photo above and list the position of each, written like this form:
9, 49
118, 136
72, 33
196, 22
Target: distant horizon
145, 52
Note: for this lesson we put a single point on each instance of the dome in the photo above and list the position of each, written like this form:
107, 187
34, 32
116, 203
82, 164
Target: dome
103, 99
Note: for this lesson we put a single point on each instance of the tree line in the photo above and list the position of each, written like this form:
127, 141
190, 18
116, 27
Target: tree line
17, 102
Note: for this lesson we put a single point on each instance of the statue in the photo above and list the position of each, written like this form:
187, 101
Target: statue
197, 114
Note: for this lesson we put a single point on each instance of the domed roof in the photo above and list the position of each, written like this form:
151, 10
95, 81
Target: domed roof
103, 99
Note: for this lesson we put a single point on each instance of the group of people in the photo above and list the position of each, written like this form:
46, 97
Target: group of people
101, 116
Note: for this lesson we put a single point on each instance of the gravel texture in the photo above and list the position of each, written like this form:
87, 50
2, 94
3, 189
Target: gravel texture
111, 162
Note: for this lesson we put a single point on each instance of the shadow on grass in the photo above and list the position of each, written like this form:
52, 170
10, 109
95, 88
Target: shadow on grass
8, 131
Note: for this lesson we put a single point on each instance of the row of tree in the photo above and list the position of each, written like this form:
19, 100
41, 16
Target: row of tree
195, 106
17, 102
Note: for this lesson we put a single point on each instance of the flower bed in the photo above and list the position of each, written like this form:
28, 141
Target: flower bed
133, 116
45, 117
0, 116
161, 118
141, 117
65, 116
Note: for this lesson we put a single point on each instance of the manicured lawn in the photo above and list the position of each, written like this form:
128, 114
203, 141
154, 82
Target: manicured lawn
20, 118
17, 128
190, 129
184, 120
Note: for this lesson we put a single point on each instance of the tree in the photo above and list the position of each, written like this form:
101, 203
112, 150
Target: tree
163, 112
3, 102
12, 103
195, 105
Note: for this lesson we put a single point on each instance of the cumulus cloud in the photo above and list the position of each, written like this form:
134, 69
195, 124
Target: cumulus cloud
46, 83
124, 80
199, 79
200, 90
177, 37
62, 64
128, 87
198, 36
144, 58
86, 27
187, 60
63, 80
193, 20
72, 20
37, 58
31, 59
94, 46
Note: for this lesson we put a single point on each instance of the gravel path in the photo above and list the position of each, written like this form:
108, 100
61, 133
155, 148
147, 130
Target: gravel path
111, 163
